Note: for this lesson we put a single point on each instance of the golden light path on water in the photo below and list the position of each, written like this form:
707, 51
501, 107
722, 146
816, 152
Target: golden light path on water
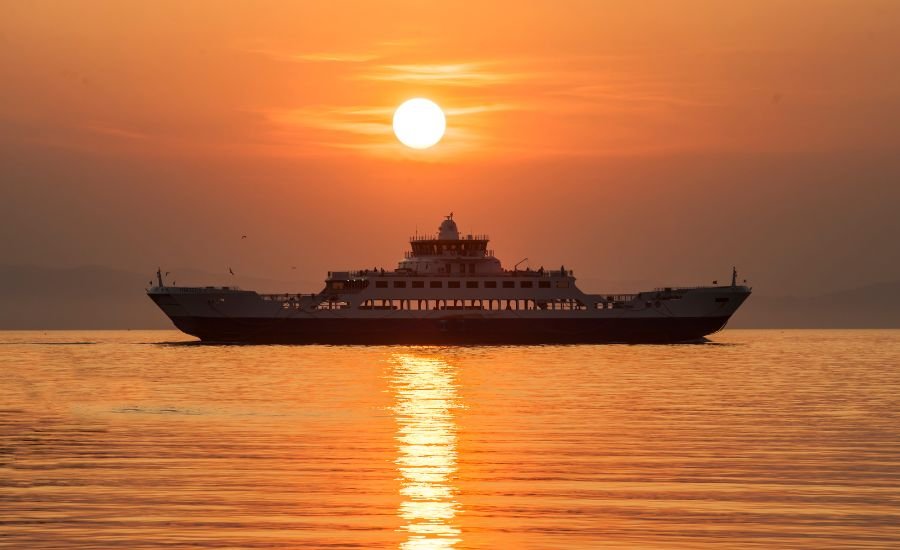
426, 397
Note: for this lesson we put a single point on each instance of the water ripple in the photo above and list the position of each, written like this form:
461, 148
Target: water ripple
757, 439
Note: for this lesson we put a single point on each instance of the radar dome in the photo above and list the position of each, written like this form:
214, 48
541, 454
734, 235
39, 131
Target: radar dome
448, 230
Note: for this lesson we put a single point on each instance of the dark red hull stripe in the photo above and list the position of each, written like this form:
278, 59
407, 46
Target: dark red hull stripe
450, 331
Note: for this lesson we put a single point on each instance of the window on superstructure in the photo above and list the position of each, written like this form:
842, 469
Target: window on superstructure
543, 284
435, 284
471, 284
452, 284
380, 284
490, 284
399, 284
526, 284
418, 284
509, 284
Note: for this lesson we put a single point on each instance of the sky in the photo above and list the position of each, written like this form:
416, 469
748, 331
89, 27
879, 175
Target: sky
645, 142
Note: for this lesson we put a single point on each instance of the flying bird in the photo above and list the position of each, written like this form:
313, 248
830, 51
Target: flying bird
230, 271
243, 236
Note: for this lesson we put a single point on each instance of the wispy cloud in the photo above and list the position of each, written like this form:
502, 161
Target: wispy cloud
479, 109
446, 74
356, 120
636, 94
316, 57
369, 129
496, 104
115, 131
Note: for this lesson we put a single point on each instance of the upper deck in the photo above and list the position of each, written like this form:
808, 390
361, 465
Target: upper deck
448, 242
448, 252
471, 246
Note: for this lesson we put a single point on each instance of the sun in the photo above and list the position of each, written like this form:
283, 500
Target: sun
419, 123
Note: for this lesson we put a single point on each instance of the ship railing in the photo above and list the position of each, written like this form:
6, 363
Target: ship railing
690, 287
613, 297
406, 272
434, 237
547, 273
199, 289
285, 297
454, 253
613, 301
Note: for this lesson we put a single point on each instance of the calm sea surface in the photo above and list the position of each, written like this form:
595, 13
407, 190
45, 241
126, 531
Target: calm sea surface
766, 439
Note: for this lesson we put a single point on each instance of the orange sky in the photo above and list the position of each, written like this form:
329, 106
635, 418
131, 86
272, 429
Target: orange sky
653, 141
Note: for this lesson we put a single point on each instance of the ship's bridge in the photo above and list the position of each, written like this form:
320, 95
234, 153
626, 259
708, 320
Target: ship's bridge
449, 252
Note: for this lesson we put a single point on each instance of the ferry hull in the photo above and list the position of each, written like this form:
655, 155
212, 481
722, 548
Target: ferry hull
449, 289
453, 331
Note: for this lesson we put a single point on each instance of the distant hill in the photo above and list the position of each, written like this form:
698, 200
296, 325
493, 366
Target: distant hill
97, 297
871, 306
103, 298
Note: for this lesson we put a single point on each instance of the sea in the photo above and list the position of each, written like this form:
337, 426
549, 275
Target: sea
754, 439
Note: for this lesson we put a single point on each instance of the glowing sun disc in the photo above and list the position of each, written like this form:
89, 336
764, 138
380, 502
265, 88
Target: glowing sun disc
419, 123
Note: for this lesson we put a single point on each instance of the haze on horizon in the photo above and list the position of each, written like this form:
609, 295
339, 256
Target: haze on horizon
660, 143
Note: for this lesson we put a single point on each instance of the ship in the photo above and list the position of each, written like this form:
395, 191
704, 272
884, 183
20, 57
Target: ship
450, 289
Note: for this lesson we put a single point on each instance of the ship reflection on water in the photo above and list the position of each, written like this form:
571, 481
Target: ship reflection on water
425, 393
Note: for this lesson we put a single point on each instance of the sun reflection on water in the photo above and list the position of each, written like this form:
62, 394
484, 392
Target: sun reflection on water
426, 396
